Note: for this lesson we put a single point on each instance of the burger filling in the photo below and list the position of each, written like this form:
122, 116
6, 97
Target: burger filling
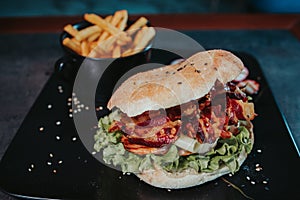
203, 134
205, 120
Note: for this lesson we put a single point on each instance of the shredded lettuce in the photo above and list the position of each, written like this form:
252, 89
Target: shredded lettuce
226, 153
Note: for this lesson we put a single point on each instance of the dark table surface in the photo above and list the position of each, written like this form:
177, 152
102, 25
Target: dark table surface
27, 61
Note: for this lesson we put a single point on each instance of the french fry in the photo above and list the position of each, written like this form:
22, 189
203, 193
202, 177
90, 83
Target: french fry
72, 45
75, 41
127, 52
95, 19
71, 30
116, 18
84, 48
122, 24
143, 37
85, 33
116, 52
93, 37
142, 21
105, 34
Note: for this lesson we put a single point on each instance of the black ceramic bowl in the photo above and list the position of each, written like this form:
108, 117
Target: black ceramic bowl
84, 24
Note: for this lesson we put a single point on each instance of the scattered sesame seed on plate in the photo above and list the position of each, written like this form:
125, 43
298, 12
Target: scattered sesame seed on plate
259, 150
41, 129
49, 106
58, 123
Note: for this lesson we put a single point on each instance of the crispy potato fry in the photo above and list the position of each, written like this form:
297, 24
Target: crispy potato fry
71, 30
143, 37
95, 19
142, 21
72, 45
85, 33
116, 52
123, 23
105, 34
75, 41
84, 48
93, 37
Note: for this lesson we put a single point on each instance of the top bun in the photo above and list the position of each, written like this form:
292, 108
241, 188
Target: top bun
176, 84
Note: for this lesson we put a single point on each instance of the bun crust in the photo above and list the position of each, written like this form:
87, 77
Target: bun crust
173, 85
159, 178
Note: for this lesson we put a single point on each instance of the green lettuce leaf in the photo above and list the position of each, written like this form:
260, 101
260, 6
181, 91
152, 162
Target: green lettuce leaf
226, 153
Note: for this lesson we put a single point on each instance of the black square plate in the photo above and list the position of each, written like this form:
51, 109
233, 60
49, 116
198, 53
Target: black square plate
46, 159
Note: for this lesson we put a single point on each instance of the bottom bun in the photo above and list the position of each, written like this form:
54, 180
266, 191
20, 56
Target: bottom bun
188, 178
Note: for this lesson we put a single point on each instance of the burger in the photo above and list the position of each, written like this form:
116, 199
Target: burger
180, 125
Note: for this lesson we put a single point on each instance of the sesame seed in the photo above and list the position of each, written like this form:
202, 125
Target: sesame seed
57, 137
50, 155
252, 182
41, 128
258, 169
32, 165
169, 190
74, 139
120, 177
58, 123
94, 152
75, 111
230, 175
29, 169
70, 115
70, 110
59, 87
87, 108
49, 106
259, 151
49, 163
69, 99
100, 108
69, 104
248, 178
54, 171
257, 165
79, 110
265, 182
73, 94
60, 162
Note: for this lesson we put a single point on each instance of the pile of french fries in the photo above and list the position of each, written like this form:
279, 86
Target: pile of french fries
109, 37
